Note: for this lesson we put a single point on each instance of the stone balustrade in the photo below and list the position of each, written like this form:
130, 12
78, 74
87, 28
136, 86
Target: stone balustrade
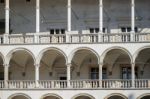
75, 84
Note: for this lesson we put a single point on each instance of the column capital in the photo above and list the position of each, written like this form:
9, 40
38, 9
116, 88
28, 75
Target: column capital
37, 7
6, 65
7, 8
37, 65
101, 64
68, 64
133, 64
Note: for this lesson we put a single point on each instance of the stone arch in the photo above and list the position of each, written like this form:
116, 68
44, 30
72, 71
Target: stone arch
71, 55
3, 58
50, 48
115, 94
135, 55
143, 95
19, 94
83, 94
10, 54
51, 94
112, 48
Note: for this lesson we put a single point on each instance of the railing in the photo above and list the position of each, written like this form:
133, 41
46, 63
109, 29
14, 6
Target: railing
116, 37
21, 39
57, 38
55, 84
83, 38
76, 84
142, 37
16, 84
46, 38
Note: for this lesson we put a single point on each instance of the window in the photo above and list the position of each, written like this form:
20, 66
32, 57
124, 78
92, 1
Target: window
128, 29
2, 26
2, 1
96, 30
126, 72
104, 72
1, 75
57, 31
95, 73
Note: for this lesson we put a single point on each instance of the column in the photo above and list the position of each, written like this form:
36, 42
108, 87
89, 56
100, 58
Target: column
37, 16
6, 21
68, 74
133, 74
132, 20
68, 20
37, 66
69, 15
100, 20
100, 74
37, 21
6, 74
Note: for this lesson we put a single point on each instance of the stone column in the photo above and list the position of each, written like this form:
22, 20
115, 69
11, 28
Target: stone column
100, 74
7, 28
37, 21
6, 74
37, 66
133, 74
132, 20
69, 15
100, 20
68, 74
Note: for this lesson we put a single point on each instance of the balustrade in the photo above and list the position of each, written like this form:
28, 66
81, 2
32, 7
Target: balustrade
76, 84
47, 38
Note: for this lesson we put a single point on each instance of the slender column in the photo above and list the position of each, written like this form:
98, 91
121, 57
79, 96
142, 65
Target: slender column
100, 74
68, 21
6, 74
101, 16
36, 38
69, 15
37, 66
132, 20
100, 20
37, 16
133, 74
68, 74
7, 9
7, 17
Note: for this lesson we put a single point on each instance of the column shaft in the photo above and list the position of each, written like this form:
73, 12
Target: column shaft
69, 15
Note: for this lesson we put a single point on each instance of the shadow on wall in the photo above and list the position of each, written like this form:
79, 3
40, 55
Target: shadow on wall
131, 96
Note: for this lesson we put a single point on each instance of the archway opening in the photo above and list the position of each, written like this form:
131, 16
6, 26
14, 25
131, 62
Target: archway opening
1, 69
117, 65
85, 65
51, 97
143, 63
21, 66
116, 97
19, 97
53, 66
83, 97
146, 97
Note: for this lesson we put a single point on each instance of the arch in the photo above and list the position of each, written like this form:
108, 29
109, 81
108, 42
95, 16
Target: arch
116, 94
112, 48
83, 94
71, 55
47, 49
135, 55
19, 94
51, 94
2, 56
143, 95
9, 55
